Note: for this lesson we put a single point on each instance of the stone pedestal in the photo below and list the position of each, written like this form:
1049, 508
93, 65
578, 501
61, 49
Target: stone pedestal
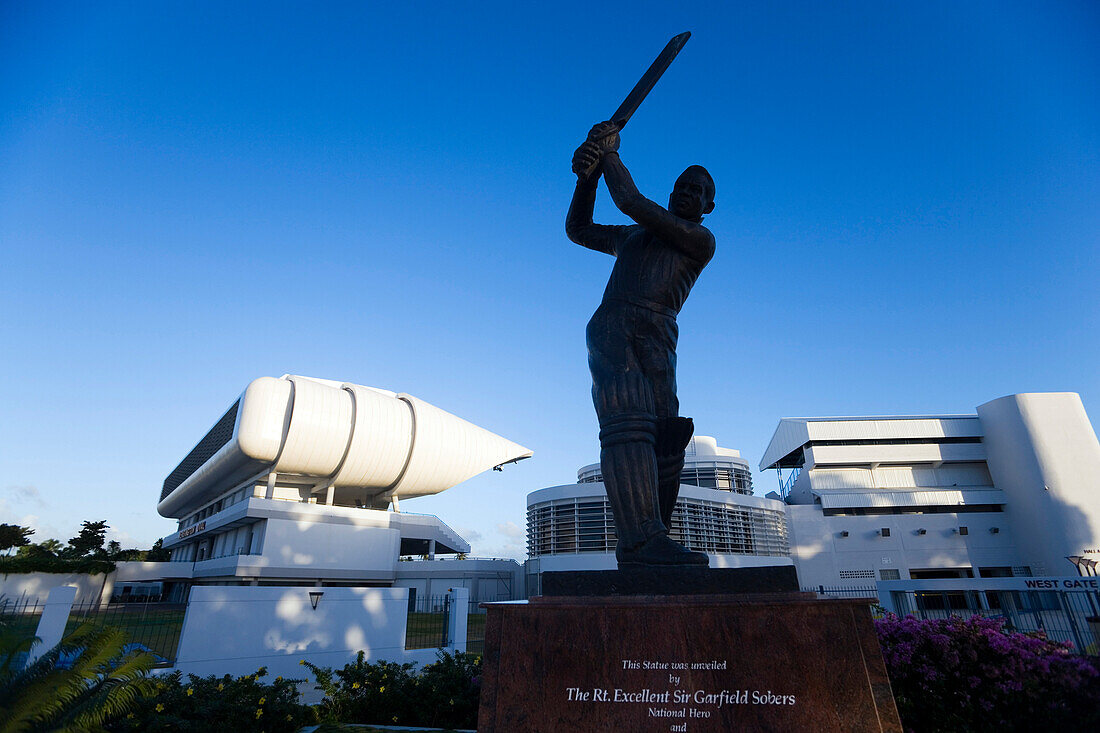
746, 662
670, 581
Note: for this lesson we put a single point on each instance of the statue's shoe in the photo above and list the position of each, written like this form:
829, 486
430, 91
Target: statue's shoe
660, 550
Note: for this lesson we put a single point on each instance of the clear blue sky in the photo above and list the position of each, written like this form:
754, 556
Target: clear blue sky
196, 194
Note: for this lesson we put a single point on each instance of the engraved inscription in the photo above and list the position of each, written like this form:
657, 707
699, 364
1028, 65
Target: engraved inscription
662, 696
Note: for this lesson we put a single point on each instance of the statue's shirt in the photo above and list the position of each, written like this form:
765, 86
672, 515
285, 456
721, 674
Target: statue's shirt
649, 272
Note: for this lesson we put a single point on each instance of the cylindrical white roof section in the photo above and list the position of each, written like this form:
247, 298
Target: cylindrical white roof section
447, 450
319, 431
381, 441
346, 435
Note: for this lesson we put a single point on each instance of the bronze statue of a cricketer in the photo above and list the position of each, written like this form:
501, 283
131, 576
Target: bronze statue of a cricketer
632, 341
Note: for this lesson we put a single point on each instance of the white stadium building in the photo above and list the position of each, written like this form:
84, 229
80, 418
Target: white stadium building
571, 527
300, 482
990, 512
1013, 490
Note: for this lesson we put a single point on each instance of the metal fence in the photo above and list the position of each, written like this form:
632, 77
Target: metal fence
151, 626
1061, 615
20, 617
846, 591
427, 623
475, 628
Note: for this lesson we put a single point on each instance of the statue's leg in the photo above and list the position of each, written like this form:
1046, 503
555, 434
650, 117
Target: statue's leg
657, 356
673, 435
629, 464
655, 348
624, 398
624, 405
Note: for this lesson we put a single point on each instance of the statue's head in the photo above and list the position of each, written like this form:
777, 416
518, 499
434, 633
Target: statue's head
693, 195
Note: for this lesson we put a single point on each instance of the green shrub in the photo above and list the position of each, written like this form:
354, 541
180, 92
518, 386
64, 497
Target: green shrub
447, 692
81, 684
361, 692
443, 694
50, 564
207, 704
955, 674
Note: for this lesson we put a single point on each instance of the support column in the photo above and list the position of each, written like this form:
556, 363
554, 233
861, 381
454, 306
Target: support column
456, 622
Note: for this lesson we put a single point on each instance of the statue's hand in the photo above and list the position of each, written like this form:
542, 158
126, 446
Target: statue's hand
585, 158
606, 135
602, 138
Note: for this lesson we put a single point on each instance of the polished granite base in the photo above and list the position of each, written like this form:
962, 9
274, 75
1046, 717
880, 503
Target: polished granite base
669, 581
748, 662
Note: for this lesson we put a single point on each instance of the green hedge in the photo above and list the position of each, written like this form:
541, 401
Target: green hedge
16, 565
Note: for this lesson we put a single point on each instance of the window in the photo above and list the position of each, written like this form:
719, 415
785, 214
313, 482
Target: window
860, 511
955, 600
891, 574
938, 573
587, 525
994, 572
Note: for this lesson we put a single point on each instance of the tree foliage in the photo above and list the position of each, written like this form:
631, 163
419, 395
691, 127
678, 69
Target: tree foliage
45, 548
89, 543
13, 535
157, 553
53, 564
81, 684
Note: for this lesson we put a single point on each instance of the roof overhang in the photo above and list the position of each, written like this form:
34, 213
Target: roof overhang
794, 432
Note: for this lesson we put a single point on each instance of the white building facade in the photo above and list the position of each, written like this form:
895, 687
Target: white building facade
1013, 490
571, 527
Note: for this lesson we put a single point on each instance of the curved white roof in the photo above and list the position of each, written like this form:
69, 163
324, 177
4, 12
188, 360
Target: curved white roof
335, 434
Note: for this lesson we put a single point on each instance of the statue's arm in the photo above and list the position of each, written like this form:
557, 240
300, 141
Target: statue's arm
693, 239
578, 222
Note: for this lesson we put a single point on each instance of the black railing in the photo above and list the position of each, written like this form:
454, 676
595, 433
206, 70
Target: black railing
475, 628
20, 617
1060, 615
153, 627
428, 618
845, 591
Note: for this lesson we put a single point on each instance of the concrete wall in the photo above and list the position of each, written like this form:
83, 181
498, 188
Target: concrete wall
319, 548
821, 552
90, 588
306, 549
1043, 453
238, 629
487, 580
38, 585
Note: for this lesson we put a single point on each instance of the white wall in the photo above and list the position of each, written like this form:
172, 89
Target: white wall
1043, 453
38, 585
820, 552
309, 549
238, 629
